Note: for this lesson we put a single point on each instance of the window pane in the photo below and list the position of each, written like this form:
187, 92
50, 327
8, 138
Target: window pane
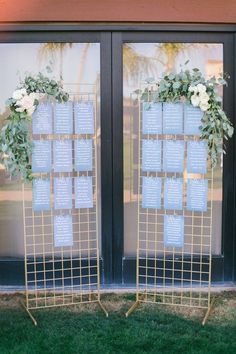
140, 61
79, 65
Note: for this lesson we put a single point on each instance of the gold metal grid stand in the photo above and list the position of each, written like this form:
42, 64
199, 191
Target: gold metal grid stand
170, 275
67, 275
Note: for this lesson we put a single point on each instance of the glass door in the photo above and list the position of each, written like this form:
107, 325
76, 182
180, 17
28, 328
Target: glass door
146, 55
116, 63
77, 59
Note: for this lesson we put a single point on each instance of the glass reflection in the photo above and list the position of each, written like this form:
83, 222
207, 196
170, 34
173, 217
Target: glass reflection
143, 60
79, 66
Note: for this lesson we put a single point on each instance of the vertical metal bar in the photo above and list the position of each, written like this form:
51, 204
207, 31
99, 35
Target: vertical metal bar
25, 248
139, 191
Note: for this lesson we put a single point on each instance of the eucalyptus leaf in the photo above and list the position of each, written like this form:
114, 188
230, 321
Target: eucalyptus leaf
15, 141
174, 88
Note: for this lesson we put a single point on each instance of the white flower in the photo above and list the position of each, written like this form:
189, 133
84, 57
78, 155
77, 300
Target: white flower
191, 88
195, 100
211, 84
23, 91
204, 106
20, 109
27, 102
18, 103
34, 96
31, 110
17, 95
201, 88
204, 97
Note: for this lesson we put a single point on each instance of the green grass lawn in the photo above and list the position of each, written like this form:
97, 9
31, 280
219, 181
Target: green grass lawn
150, 329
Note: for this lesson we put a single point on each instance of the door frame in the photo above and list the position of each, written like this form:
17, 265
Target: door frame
12, 269
222, 265
111, 37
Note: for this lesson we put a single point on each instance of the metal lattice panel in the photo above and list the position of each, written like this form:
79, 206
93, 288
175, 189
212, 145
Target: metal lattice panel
66, 275
173, 275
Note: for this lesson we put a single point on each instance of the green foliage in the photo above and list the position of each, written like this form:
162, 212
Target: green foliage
15, 140
16, 148
182, 87
43, 84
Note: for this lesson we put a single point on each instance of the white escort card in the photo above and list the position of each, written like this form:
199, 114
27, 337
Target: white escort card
173, 156
197, 157
172, 118
41, 156
41, 194
197, 195
83, 155
151, 192
83, 192
152, 119
173, 193
151, 158
63, 231
63, 118
63, 193
192, 119
84, 117
62, 155
173, 231
42, 119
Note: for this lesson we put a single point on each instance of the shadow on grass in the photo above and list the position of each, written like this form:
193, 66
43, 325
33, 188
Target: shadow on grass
150, 329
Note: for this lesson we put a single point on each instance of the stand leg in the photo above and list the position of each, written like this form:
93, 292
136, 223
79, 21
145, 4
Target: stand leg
103, 308
132, 308
29, 313
208, 312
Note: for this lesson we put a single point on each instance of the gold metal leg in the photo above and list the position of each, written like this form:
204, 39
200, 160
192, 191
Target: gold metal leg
103, 308
29, 313
132, 308
208, 312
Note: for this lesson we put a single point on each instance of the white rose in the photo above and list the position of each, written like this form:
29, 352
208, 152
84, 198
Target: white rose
31, 110
204, 97
195, 100
34, 95
201, 88
18, 103
191, 88
204, 106
23, 91
27, 102
17, 95
20, 109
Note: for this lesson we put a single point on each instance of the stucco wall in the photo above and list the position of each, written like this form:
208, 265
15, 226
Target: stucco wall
214, 11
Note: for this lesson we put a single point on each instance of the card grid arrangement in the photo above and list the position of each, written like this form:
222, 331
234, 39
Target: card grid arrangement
164, 163
63, 155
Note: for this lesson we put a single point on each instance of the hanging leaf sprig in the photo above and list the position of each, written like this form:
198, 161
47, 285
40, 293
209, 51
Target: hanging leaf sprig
191, 87
15, 141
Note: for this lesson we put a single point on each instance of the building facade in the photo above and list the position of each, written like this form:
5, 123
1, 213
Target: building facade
114, 47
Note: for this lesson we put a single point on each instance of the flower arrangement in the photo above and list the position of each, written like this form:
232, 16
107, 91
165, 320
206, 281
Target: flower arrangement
191, 87
15, 141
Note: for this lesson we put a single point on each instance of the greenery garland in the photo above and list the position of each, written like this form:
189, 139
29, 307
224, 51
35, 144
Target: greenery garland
15, 141
186, 86
191, 87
